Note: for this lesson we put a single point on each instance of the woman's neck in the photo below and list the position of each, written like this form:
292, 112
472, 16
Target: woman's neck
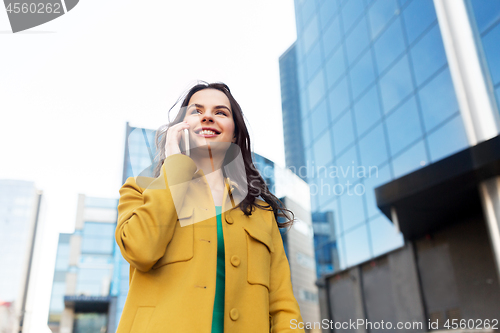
211, 168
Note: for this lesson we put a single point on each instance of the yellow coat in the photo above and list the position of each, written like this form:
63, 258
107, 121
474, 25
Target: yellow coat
173, 267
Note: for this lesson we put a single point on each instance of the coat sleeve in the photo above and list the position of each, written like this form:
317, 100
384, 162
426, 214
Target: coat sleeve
147, 214
283, 307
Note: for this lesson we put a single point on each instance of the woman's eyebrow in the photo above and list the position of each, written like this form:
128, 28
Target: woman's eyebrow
216, 107
222, 107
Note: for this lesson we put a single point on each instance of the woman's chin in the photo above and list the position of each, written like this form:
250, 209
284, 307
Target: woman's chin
213, 148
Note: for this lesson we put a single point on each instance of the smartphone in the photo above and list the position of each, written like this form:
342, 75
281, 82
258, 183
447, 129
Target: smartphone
184, 146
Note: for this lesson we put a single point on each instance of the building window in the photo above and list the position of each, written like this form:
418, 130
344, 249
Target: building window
305, 261
307, 295
98, 238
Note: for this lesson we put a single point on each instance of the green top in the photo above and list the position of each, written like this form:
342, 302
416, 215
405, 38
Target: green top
218, 315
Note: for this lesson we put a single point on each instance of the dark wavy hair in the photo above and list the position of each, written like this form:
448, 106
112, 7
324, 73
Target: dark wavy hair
256, 184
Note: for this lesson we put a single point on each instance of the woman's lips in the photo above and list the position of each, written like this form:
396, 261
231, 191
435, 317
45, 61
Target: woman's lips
207, 135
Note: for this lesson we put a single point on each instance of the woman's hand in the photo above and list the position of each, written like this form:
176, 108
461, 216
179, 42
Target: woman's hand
173, 138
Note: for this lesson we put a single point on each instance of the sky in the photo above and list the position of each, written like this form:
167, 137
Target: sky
68, 87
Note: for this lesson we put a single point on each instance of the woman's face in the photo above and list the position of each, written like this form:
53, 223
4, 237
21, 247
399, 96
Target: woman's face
210, 118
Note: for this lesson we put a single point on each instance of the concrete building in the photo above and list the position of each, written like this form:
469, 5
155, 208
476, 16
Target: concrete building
399, 120
82, 298
21, 206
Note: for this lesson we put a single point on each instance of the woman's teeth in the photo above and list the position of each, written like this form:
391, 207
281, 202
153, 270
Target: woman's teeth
207, 132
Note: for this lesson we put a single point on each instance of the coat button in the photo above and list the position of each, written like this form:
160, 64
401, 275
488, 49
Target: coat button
234, 314
229, 219
235, 261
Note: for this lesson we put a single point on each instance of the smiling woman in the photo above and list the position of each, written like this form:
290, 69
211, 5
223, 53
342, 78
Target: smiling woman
202, 237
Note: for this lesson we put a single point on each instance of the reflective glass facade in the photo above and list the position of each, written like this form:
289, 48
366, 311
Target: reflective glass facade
325, 247
266, 170
290, 105
85, 263
95, 268
325, 243
90, 322
376, 103
17, 205
485, 19
59, 283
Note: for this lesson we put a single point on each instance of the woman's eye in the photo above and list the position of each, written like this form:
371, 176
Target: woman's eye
218, 112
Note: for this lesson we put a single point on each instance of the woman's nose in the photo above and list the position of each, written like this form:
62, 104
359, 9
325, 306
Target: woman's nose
207, 117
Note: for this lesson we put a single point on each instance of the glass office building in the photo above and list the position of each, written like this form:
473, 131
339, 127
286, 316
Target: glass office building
98, 271
56, 306
82, 298
20, 206
325, 243
377, 102
486, 25
290, 99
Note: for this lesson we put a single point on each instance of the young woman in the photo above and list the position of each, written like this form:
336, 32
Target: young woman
202, 238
